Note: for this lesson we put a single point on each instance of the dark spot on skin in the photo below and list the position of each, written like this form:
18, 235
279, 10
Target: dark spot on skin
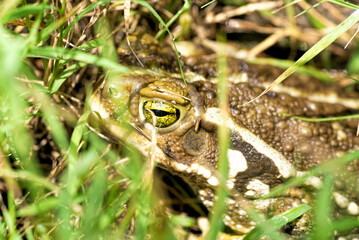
195, 142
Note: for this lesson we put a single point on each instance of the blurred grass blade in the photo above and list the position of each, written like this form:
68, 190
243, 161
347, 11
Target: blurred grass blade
52, 118
74, 54
78, 170
40, 207
94, 43
11, 225
25, 11
323, 210
27, 176
219, 208
346, 224
305, 70
277, 222
308, 9
6, 6
12, 52
344, 3
322, 119
326, 167
93, 207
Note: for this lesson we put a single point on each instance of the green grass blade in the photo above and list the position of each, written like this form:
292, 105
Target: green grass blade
94, 204
57, 83
33, 37
208, 3
184, 8
311, 7
94, 43
223, 145
326, 167
276, 222
323, 210
12, 104
11, 225
306, 70
344, 4
2, 230
346, 224
40, 207
74, 54
158, 17
322, 119
61, 78
28, 176
51, 116
317, 48
78, 133
25, 11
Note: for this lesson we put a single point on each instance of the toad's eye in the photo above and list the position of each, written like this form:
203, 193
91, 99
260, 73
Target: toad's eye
166, 114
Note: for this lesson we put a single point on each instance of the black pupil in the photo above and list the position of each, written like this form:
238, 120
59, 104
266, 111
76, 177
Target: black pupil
161, 113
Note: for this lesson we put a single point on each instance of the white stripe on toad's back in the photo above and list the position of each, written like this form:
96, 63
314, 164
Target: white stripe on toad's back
237, 162
285, 168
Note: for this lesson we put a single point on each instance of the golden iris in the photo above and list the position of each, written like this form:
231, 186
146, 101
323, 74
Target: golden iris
165, 113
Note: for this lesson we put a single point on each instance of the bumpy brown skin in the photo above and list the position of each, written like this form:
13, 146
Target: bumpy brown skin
304, 144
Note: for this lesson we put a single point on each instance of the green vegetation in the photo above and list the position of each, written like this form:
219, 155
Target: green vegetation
61, 179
